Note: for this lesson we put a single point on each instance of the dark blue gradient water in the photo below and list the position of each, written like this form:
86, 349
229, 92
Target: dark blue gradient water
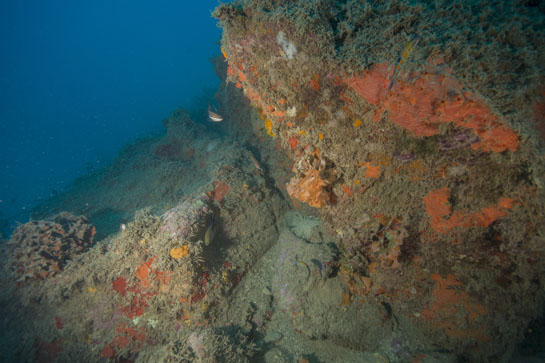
80, 79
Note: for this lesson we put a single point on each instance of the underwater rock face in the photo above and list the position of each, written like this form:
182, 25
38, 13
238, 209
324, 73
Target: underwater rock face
175, 150
431, 179
313, 299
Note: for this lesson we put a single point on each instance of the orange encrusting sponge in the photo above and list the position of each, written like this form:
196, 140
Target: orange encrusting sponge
252, 94
442, 221
452, 302
429, 99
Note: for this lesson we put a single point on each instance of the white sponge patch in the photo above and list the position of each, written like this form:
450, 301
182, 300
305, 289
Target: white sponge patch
288, 47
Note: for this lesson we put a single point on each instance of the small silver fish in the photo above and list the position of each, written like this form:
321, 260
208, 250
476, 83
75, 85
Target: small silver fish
213, 116
256, 164
405, 53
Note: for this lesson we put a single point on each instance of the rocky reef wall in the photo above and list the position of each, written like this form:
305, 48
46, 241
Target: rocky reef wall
415, 131
175, 225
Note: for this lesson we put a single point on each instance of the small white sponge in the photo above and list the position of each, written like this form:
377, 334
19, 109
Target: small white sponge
288, 47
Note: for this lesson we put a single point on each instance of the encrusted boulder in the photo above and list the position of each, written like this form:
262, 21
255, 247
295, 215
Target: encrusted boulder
40, 249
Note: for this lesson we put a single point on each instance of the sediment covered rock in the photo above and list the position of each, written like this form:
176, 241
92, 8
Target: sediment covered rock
41, 249
424, 117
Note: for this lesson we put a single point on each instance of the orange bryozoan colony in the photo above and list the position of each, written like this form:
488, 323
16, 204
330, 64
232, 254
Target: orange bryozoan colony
309, 188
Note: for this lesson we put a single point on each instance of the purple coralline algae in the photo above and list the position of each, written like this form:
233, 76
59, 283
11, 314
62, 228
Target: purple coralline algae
458, 139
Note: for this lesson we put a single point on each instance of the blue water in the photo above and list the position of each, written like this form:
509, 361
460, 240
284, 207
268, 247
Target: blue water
78, 80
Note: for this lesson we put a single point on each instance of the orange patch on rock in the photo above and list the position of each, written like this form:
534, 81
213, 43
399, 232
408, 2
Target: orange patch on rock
198, 296
132, 337
143, 271
143, 289
345, 299
437, 204
121, 341
292, 141
429, 99
450, 302
120, 285
347, 190
506, 203
278, 113
230, 70
241, 76
142, 274
107, 351
267, 109
371, 171
443, 220
315, 82
179, 252
220, 190
137, 307
372, 85
309, 189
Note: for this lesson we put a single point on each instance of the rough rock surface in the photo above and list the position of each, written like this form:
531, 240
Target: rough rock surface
41, 249
431, 177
